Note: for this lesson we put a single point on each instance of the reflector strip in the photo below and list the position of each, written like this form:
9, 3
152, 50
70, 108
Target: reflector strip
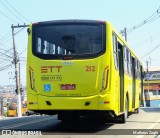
107, 78
31, 82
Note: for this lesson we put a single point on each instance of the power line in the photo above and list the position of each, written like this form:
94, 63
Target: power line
148, 53
19, 31
8, 17
5, 40
17, 11
151, 18
5, 50
5, 67
5, 55
6, 59
10, 11
2, 42
23, 51
6, 35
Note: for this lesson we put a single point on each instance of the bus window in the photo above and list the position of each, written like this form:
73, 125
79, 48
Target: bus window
52, 49
129, 63
138, 70
70, 39
115, 49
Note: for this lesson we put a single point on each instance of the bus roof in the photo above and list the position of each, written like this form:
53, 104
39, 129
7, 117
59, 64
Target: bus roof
89, 22
69, 21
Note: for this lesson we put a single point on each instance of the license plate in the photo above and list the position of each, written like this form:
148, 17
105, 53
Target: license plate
68, 86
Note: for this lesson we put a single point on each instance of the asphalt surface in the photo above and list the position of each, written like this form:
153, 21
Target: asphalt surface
147, 120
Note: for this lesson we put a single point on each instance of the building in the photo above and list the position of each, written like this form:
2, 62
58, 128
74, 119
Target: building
152, 88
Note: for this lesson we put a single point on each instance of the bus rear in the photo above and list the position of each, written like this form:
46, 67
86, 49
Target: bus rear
66, 66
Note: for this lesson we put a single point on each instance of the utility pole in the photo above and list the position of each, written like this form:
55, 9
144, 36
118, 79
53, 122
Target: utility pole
124, 33
15, 61
16, 75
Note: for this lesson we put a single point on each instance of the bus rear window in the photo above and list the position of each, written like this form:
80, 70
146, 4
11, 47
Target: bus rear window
77, 40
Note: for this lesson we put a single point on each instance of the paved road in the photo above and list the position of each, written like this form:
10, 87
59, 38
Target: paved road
146, 119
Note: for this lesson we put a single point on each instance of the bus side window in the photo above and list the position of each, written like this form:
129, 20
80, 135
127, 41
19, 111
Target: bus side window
130, 63
115, 49
136, 69
125, 60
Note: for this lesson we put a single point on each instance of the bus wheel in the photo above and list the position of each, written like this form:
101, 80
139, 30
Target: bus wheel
123, 117
137, 111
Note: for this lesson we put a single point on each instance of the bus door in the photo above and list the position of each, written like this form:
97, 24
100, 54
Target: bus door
121, 75
133, 82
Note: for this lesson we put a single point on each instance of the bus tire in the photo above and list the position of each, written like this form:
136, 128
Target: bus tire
137, 111
123, 117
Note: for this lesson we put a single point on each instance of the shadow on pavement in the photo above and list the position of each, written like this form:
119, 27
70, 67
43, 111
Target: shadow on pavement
83, 125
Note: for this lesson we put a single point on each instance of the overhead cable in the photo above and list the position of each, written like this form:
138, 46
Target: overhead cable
148, 53
11, 11
17, 11
8, 17
151, 18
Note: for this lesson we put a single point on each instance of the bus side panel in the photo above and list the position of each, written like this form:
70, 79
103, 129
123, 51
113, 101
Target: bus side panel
128, 90
109, 98
32, 101
31, 88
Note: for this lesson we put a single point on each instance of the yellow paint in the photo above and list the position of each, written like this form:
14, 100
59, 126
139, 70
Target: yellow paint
88, 81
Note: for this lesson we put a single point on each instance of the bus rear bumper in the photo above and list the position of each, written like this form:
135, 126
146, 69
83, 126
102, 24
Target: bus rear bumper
68, 103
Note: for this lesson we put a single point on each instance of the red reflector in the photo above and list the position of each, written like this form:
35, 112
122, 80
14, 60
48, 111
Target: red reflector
101, 22
30, 102
36, 23
67, 58
68, 86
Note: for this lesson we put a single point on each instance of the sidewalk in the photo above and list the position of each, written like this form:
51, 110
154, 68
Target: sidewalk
150, 109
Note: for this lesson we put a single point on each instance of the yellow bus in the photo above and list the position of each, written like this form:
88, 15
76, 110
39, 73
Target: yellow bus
81, 67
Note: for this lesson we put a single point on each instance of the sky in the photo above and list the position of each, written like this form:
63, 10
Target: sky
121, 14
